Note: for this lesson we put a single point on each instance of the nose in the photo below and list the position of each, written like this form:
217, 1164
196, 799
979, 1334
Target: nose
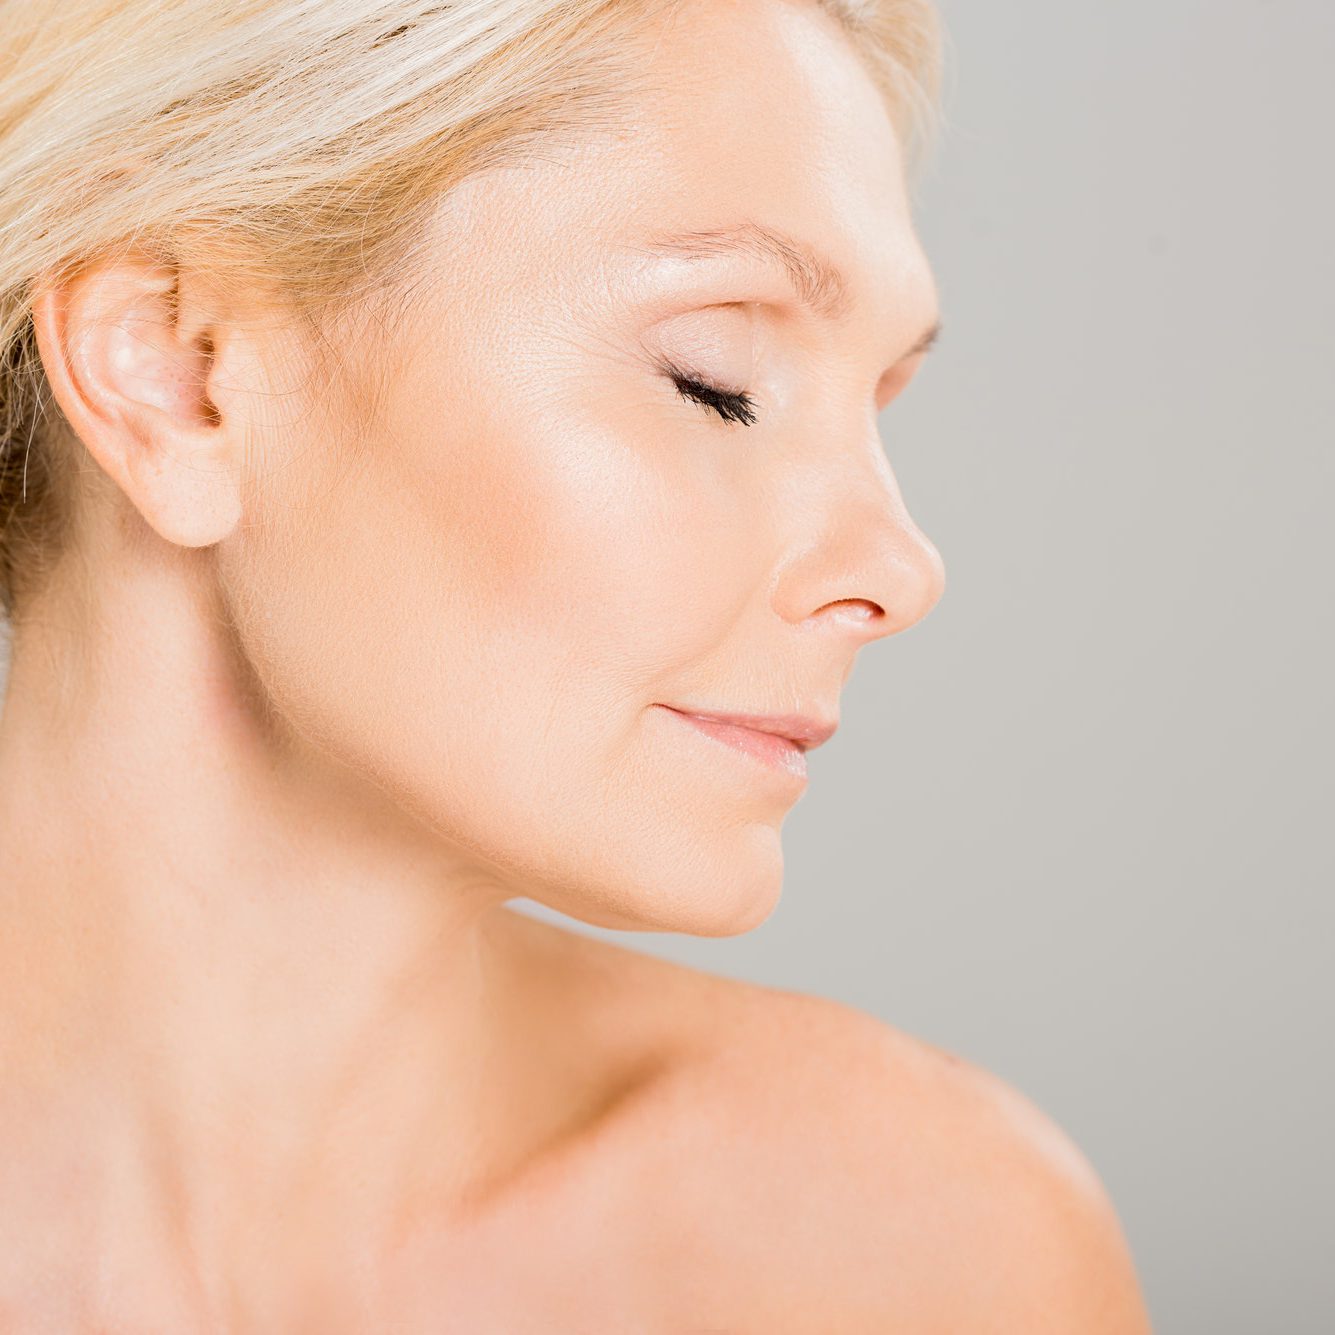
858, 562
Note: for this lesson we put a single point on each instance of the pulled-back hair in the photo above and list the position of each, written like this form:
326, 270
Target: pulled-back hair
297, 144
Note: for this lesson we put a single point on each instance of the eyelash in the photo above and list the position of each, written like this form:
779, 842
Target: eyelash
727, 405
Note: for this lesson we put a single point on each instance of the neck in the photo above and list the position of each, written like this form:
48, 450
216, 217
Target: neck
233, 975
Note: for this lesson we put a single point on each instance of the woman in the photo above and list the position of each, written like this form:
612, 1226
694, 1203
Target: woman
416, 418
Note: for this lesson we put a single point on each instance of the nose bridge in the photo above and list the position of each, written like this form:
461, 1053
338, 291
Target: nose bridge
859, 543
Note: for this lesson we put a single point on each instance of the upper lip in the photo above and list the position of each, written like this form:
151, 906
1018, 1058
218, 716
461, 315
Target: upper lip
803, 730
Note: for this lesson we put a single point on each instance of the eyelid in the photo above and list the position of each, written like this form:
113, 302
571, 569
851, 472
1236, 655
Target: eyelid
674, 370
707, 335
898, 378
738, 404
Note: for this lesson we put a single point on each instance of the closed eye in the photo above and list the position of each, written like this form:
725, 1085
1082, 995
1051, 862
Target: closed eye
730, 405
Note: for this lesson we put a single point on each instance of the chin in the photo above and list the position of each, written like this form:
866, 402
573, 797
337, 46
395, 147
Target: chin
717, 902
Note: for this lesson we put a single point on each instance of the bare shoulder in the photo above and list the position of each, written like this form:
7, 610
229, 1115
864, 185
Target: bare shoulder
805, 1166
858, 1176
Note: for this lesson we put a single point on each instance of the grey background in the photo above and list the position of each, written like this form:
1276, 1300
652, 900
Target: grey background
1070, 827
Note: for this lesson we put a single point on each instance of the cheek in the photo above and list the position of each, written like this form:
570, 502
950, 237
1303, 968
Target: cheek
479, 611
581, 557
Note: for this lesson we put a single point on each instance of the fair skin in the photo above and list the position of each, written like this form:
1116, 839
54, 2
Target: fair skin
305, 706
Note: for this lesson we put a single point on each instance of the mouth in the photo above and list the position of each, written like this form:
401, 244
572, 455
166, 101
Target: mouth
777, 749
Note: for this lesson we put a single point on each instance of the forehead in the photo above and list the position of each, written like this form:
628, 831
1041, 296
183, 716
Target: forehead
763, 109
746, 118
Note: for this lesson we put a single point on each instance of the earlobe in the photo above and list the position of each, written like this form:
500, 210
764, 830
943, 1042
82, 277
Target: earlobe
130, 375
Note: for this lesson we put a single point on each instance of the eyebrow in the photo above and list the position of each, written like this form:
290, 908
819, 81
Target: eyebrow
820, 286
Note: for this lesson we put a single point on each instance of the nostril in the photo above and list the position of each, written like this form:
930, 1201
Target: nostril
858, 609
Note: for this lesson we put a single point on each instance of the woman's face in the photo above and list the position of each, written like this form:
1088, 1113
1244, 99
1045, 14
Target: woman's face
492, 598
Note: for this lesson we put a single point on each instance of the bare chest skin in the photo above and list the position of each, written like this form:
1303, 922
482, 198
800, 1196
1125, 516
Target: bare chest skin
583, 1238
577, 1261
594, 1237
694, 1201
569, 1258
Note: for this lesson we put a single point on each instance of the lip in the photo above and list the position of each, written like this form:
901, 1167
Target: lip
802, 730
778, 740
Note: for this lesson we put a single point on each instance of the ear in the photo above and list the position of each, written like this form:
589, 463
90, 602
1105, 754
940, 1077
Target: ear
132, 359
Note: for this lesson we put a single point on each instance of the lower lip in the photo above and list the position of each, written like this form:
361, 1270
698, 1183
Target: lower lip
777, 752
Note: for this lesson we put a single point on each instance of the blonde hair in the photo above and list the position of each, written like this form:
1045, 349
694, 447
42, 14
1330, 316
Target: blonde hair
297, 143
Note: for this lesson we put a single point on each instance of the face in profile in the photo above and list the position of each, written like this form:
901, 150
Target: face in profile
623, 465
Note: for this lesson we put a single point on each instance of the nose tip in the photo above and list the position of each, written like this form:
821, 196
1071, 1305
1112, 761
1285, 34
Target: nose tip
932, 573
898, 581
909, 585
865, 565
